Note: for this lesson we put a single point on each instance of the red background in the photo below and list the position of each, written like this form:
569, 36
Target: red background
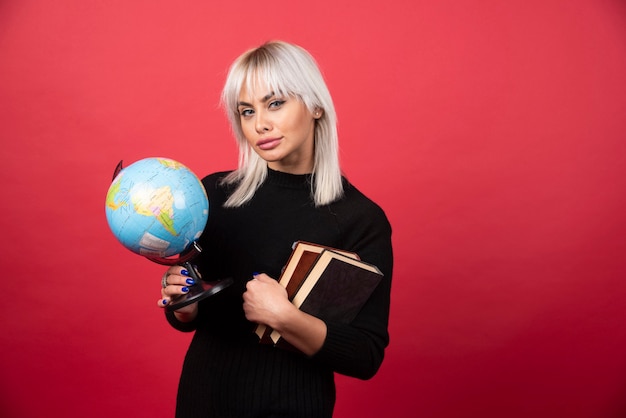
492, 133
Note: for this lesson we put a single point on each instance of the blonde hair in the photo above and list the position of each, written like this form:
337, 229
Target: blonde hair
287, 70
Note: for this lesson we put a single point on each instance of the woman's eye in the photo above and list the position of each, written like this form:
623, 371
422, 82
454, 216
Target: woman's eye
276, 103
246, 112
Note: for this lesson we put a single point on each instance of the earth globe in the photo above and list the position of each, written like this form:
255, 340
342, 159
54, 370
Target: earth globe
158, 208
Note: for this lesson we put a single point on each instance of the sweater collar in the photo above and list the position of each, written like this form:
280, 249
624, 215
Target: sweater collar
280, 178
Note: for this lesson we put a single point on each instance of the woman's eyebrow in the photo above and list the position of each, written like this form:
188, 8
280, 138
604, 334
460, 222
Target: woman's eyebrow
263, 100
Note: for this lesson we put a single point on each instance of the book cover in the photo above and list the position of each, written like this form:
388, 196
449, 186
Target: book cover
302, 258
300, 262
336, 288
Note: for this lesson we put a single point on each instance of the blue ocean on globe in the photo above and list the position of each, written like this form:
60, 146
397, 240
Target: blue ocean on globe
157, 207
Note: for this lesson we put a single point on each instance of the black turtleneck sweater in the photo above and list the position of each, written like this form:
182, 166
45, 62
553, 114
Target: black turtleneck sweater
226, 372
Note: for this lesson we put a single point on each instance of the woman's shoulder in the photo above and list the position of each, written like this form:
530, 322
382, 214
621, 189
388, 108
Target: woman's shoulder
214, 181
216, 188
355, 202
352, 194
364, 225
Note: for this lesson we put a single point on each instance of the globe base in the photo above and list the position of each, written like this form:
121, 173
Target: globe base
198, 291
202, 289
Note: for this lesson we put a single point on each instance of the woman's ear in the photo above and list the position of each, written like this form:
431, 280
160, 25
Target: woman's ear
318, 113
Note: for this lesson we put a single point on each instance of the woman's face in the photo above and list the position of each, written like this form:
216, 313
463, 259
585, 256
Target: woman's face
279, 129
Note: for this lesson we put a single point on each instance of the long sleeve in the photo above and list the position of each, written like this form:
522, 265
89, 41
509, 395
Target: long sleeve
357, 349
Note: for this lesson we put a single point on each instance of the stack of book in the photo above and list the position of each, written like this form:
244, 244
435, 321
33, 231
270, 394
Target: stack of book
328, 283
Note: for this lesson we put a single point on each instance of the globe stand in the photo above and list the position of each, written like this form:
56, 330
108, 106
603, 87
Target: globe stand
201, 289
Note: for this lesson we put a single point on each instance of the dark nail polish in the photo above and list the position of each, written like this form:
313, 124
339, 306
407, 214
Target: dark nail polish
164, 301
256, 273
184, 272
185, 289
190, 282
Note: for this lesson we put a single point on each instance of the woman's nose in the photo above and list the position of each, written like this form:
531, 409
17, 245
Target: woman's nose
262, 123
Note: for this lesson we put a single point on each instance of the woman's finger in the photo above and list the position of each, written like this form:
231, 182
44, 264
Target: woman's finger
174, 282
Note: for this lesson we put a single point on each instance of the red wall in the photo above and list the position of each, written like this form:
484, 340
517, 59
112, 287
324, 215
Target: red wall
493, 133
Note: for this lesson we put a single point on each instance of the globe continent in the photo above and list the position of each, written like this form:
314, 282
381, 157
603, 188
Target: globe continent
157, 207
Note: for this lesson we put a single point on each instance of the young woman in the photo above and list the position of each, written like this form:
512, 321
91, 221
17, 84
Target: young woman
288, 187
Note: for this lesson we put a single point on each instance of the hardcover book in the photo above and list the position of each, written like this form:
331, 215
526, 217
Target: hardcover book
335, 288
300, 261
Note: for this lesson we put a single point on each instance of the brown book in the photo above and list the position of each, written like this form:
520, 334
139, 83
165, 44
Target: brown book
335, 289
300, 261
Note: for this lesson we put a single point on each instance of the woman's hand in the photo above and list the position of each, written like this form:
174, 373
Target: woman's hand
265, 301
174, 283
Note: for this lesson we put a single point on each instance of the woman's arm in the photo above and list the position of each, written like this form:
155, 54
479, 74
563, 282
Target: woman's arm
266, 302
357, 349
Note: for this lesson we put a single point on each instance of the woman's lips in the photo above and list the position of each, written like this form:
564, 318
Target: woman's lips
268, 144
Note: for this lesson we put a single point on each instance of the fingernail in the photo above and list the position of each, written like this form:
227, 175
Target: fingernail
190, 282
164, 301
184, 272
256, 273
185, 289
